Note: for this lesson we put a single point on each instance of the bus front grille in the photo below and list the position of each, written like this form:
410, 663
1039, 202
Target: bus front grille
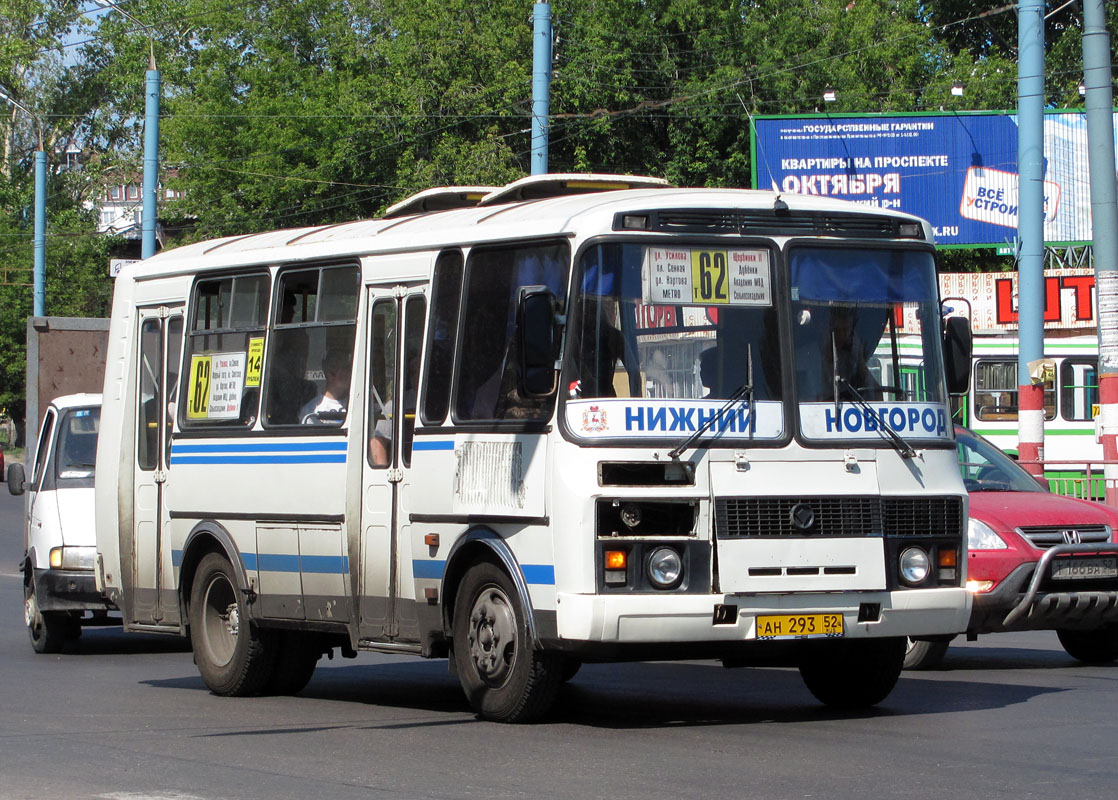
771, 517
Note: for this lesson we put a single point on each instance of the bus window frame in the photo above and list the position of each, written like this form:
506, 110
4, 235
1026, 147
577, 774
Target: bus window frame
1070, 361
548, 404
274, 327
1049, 393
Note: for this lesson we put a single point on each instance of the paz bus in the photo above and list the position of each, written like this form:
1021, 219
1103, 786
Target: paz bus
573, 419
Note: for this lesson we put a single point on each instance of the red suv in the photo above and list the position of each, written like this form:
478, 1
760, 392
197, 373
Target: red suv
1037, 561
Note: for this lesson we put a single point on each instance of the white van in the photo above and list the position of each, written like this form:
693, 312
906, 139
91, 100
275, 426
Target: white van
59, 540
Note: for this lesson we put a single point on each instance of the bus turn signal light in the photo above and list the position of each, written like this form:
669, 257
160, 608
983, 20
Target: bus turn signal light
615, 559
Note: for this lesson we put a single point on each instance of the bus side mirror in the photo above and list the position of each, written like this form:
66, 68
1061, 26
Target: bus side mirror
956, 354
537, 326
16, 478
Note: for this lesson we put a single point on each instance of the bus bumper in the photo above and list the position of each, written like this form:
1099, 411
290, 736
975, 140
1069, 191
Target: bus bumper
648, 619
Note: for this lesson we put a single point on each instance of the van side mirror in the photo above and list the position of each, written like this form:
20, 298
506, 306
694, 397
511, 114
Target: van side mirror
16, 478
957, 354
537, 325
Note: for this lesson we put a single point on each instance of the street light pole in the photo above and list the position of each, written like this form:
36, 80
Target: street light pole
152, 91
39, 278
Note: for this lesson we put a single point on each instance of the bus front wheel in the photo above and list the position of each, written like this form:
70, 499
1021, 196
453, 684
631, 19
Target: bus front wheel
855, 674
235, 658
504, 678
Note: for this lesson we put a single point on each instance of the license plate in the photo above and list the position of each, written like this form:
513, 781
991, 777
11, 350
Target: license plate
799, 626
1069, 569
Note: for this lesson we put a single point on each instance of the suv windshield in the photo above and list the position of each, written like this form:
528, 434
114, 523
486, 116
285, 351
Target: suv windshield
987, 469
677, 327
866, 338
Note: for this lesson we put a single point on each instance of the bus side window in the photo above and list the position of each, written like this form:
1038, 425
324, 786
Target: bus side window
1079, 387
415, 312
226, 336
488, 373
446, 294
307, 377
382, 382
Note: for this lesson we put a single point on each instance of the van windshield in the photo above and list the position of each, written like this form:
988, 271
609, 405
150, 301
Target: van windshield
76, 451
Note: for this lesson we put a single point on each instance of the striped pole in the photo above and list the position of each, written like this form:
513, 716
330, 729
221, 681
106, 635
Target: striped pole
1104, 216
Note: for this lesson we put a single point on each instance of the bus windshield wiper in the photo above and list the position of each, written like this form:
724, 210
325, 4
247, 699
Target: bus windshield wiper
894, 438
745, 390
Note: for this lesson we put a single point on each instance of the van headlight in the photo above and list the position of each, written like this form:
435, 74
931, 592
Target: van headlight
665, 568
72, 557
981, 536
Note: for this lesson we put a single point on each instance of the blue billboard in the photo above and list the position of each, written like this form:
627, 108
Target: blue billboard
958, 171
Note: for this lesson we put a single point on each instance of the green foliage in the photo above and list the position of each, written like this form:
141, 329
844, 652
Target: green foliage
281, 113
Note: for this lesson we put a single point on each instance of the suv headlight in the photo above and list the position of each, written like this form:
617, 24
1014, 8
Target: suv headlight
981, 536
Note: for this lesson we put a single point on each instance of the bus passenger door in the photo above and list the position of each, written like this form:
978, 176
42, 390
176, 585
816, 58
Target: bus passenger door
160, 347
396, 322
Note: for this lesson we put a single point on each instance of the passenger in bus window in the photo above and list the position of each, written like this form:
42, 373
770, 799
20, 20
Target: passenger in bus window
708, 371
380, 446
329, 407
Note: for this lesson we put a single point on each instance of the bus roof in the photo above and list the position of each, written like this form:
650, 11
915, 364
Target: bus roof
561, 215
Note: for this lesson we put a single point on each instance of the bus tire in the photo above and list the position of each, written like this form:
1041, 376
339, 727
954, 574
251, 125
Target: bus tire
48, 631
1099, 646
504, 678
924, 655
235, 658
855, 674
297, 656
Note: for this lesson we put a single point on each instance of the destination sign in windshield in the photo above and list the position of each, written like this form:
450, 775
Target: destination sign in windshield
683, 275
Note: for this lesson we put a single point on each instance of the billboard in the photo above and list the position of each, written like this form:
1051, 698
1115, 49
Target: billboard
956, 170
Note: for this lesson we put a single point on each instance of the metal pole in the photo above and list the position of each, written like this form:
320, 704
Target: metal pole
151, 163
1104, 221
541, 84
1030, 229
39, 280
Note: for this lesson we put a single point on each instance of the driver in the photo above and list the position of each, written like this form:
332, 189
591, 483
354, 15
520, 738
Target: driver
331, 403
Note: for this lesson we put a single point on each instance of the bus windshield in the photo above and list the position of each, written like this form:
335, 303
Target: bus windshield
850, 307
683, 327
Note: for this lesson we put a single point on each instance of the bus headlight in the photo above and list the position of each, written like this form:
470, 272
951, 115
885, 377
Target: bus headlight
665, 568
915, 565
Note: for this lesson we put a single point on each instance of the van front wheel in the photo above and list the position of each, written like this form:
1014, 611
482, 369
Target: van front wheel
235, 658
504, 677
48, 631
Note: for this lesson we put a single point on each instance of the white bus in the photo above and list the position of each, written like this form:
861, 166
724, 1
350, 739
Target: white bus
584, 418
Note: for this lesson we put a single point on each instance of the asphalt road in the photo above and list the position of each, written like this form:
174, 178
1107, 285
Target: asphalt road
127, 717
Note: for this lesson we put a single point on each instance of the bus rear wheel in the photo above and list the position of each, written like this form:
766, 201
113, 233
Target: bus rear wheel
234, 657
504, 678
855, 674
297, 656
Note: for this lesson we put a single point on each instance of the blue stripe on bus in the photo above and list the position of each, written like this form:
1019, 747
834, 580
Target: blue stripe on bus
543, 574
291, 458
261, 447
443, 445
281, 562
257, 447
536, 574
